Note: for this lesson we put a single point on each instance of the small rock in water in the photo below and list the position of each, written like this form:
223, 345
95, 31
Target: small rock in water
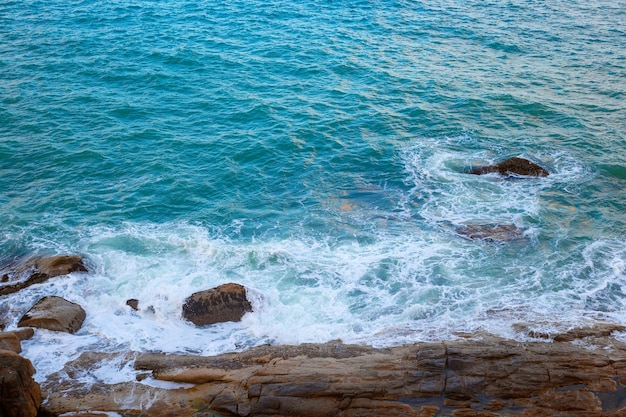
133, 303
54, 313
512, 166
226, 302
498, 233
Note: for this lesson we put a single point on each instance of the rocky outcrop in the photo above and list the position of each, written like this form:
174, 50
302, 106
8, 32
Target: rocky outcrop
54, 313
494, 233
20, 395
488, 376
226, 302
512, 166
34, 270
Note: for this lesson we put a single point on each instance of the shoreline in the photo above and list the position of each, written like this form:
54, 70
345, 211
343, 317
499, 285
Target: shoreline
583, 373
578, 372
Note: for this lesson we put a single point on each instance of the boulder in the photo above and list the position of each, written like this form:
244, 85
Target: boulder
24, 333
227, 302
54, 313
512, 166
60, 265
34, 270
20, 395
10, 341
493, 233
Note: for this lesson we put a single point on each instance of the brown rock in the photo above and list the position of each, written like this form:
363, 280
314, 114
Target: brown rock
226, 302
133, 303
24, 333
429, 411
20, 395
10, 341
512, 166
484, 377
34, 270
54, 313
598, 330
60, 265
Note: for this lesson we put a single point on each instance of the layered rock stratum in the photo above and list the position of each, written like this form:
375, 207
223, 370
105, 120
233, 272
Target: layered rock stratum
582, 375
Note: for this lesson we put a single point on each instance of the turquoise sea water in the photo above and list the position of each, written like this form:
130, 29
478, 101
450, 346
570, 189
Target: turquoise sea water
315, 152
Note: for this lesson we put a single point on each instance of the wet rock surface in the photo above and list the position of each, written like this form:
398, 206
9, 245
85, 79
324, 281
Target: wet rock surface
487, 376
10, 341
28, 271
493, 233
226, 302
54, 313
20, 395
512, 166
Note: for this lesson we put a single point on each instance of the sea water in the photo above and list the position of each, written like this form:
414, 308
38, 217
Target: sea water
317, 153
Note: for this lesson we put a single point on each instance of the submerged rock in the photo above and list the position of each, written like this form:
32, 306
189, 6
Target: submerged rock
512, 166
34, 270
227, 302
493, 233
20, 395
54, 313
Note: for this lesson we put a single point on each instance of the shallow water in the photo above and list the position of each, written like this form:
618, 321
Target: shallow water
315, 153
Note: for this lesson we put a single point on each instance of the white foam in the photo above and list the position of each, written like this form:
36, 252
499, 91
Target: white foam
412, 279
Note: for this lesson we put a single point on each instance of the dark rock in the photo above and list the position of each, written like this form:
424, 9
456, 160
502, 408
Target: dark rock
512, 166
133, 303
20, 395
34, 270
494, 233
226, 302
54, 313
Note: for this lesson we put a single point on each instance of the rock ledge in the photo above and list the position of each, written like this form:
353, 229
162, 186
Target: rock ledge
481, 377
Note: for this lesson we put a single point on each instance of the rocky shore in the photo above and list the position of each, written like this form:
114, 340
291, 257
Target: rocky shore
580, 372
583, 374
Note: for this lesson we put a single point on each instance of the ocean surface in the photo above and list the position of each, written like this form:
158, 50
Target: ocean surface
317, 153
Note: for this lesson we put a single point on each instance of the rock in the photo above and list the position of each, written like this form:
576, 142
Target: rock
226, 302
60, 265
34, 270
489, 376
54, 313
133, 303
598, 330
494, 233
10, 341
512, 166
20, 395
24, 333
